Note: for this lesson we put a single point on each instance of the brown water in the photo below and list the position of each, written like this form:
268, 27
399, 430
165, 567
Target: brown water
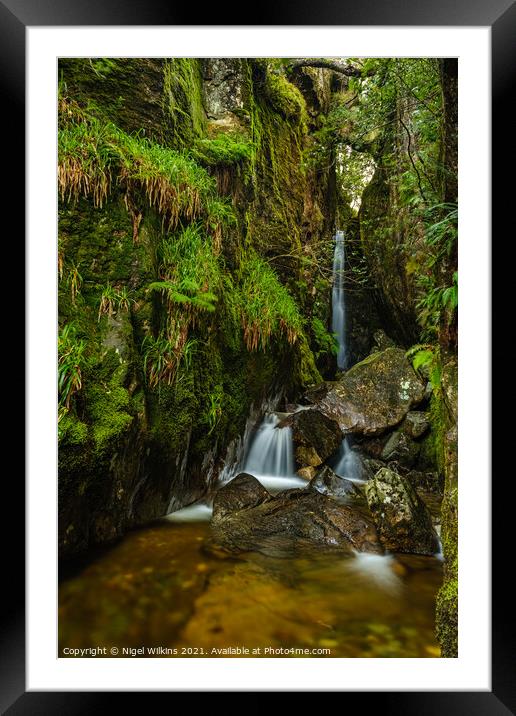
161, 586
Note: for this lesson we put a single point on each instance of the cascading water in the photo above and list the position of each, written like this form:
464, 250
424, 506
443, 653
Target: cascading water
347, 464
271, 455
338, 307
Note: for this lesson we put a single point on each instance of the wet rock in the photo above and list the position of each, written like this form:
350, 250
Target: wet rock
307, 472
307, 456
425, 480
328, 483
401, 448
416, 423
375, 394
300, 515
315, 437
243, 492
401, 517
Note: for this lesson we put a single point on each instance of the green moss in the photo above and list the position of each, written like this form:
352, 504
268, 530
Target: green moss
447, 618
223, 150
285, 97
72, 431
182, 100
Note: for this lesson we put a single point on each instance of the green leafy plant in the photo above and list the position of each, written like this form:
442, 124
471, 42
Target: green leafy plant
326, 342
71, 362
113, 300
426, 360
265, 306
75, 282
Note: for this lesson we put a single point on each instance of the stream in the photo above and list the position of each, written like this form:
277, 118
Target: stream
163, 590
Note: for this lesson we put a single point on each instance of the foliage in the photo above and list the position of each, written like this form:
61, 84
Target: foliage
325, 342
284, 96
426, 360
71, 362
92, 153
265, 305
113, 300
163, 354
190, 272
224, 149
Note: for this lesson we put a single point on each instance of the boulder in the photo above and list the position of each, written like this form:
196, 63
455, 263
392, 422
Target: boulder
375, 394
307, 472
401, 517
328, 483
401, 448
295, 516
315, 437
416, 423
242, 492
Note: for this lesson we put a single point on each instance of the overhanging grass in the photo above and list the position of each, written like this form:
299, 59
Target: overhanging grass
95, 155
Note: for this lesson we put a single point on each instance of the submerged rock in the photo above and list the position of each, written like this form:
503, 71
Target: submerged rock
373, 395
401, 517
295, 515
329, 483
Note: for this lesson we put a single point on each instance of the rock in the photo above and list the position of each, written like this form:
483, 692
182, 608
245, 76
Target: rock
429, 481
295, 516
328, 483
401, 449
382, 340
307, 472
402, 519
315, 437
416, 423
242, 492
307, 456
375, 394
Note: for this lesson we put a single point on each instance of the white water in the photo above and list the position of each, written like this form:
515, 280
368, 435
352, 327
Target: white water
377, 568
348, 463
198, 512
271, 456
338, 307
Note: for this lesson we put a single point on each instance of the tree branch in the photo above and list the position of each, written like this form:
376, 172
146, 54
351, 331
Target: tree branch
326, 64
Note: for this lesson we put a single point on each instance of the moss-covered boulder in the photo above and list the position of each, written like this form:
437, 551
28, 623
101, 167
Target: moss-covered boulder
294, 517
401, 517
375, 394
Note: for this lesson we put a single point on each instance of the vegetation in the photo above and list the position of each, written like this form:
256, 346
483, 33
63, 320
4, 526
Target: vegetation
71, 363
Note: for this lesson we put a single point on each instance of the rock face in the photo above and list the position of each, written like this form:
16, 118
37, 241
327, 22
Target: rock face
374, 395
315, 437
401, 449
416, 423
402, 519
298, 516
328, 483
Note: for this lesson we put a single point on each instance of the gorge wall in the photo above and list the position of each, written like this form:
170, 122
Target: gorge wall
160, 392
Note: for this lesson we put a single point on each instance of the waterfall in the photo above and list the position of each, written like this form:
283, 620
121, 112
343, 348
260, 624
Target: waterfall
338, 308
271, 452
347, 463
270, 457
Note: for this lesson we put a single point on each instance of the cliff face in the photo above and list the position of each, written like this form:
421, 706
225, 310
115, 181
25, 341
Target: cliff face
185, 223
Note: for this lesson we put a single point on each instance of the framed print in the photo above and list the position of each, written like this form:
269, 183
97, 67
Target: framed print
258, 415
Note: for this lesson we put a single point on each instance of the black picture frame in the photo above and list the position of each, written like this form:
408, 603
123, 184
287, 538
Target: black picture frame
500, 16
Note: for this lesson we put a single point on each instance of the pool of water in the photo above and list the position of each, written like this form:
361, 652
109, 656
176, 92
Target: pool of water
166, 586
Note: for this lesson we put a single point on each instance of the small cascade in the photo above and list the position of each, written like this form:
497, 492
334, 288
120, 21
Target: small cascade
271, 455
338, 305
347, 463
271, 452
